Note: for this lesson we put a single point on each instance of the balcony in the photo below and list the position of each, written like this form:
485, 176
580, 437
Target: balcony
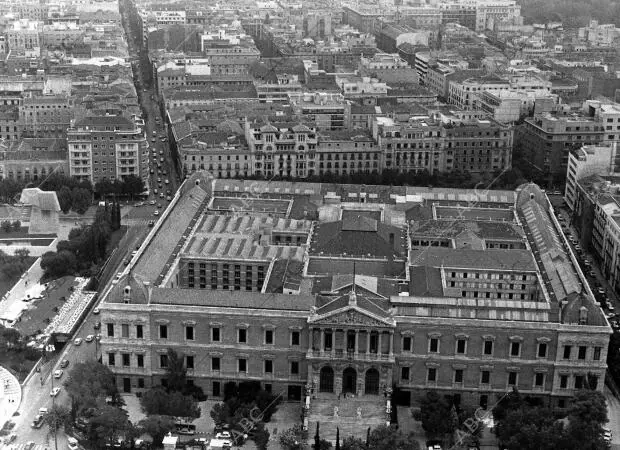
349, 354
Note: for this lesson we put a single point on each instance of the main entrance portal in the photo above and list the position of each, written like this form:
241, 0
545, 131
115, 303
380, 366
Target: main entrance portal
349, 380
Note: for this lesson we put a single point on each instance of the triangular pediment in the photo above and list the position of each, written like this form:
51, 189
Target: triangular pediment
352, 316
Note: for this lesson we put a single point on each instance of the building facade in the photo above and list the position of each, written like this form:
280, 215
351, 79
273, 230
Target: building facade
107, 147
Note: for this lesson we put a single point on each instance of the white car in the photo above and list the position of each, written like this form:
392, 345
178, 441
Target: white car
223, 435
96, 311
78, 341
58, 373
55, 392
89, 338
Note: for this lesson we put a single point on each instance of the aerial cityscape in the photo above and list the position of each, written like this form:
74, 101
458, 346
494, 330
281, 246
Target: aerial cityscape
294, 225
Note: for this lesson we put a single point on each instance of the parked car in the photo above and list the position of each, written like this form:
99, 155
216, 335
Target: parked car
37, 422
96, 311
89, 338
78, 341
97, 325
64, 363
54, 392
156, 213
151, 223
58, 373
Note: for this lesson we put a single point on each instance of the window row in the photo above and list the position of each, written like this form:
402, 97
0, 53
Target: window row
484, 379
163, 332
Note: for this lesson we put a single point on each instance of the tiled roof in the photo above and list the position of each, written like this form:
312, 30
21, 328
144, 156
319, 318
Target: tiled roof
231, 299
571, 312
452, 228
489, 259
338, 238
425, 281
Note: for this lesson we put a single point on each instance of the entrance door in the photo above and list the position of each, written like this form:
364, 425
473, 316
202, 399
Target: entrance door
371, 383
126, 385
294, 393
326, 380
349, 380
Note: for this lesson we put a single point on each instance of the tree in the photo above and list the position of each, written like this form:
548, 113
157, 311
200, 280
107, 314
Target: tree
352, 443
6, 226
261, 436
17, 225
59, 264
434, 410
530, 428
587, 415
157, 401
157, 427
22, 253
88, 384
324, 444
80, 200
65, 200
133, 185
58, 417
294, 438
389, 438
108, 425
176, 372
220, 413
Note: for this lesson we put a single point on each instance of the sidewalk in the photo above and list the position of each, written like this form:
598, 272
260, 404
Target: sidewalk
11, 395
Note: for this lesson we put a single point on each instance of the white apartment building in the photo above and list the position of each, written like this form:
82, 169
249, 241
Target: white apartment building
489, 12
586, 161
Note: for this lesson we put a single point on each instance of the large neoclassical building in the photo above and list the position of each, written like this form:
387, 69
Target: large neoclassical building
357, 289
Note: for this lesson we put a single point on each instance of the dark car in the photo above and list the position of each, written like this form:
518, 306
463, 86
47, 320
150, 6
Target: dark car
64, 363
97, 325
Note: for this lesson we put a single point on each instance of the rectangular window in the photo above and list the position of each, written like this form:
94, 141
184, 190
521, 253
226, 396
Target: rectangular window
140, 360
140, 331
268, 337
567, 350
189, 362
407, 344
597, 354
141, 383
125, 357
579, 379
460, 346
124, 330
404, 373
431, 374
189, 333
539, 379
163, 361
542, 350
512, 378
563, 381
458, 376
295, 338
242, 335
268, 366
294, 367
215, 363
515, 349
488, 347
485, 377
215, 334
582, 352
111, 359
110, 330
433, 345
163, 331
242, 365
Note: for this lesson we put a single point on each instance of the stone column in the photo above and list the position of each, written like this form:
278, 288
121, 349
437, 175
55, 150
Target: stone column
322, 348
391, 344
368, 333
357, 335
311, 340
333, 350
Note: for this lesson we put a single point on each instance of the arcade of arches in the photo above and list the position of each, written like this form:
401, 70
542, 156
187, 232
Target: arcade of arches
357, 379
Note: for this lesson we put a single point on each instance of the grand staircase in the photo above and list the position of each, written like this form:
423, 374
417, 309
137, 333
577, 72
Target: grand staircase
372, 408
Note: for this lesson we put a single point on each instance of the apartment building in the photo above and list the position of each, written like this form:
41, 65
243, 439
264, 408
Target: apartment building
107, 147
